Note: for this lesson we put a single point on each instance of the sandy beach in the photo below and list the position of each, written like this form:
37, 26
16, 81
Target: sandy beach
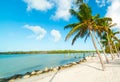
89, 71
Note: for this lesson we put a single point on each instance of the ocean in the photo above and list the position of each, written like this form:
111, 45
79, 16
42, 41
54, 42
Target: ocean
13, 64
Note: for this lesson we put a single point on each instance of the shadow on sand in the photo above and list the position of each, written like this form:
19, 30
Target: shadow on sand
92, 67
53, 76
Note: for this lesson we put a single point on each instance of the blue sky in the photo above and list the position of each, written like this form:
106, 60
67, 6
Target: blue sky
39, 24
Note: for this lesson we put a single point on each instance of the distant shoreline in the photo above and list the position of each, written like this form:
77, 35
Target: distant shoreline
46, 52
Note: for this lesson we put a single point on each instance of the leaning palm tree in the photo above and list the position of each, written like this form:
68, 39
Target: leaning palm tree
84, 27
102, 48
98, 31
118, 46
107, 43
104, 25
116, 50
114, 39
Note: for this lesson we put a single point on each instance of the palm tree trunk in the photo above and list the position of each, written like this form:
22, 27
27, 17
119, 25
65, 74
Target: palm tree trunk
101, 60
102, 49
116, 50
110, 46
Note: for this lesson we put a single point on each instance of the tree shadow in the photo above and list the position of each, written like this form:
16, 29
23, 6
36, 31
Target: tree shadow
112, 66
92, 67
53, 76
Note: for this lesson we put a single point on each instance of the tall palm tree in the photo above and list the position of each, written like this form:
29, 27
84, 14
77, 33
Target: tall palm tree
98, 31
106, 41
84, 27
114, 39
102, 48
104, 25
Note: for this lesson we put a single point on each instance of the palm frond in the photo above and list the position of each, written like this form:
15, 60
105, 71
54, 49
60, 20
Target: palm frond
71, 25
73, 30
87, 37
76, 37
76, 14
112, 25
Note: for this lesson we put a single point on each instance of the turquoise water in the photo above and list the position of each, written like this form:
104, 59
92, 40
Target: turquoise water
22, 63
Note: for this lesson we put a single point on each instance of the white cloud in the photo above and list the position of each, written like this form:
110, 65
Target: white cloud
41, 5
62, 11
56, 34
113, 11
101, 3
62, 7
39, 32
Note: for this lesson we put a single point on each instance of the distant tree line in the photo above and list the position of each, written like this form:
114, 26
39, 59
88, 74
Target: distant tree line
45, 52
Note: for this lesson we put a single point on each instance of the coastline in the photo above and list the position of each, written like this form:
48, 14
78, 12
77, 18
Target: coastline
27, 66
45, 71
89, 71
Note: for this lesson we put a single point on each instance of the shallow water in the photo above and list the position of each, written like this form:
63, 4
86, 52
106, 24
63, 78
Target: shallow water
21, 63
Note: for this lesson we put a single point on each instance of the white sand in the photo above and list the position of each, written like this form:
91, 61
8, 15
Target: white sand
89, 71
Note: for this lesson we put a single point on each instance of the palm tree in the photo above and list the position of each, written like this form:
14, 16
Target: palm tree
84, 27
118, 46
104, 25
114, 39
102, 48
106, 41
98, 31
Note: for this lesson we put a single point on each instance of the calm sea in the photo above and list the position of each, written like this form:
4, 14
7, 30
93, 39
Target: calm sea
21, 63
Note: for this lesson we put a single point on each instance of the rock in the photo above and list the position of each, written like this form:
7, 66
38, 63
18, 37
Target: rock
61, 67
12, 80
26, 76
33, 73
56, 68
66, 66
36, 70
51, 69
46, 69
28, 73
70, 64
78, 62
39, 72
74, 63
84, 60
16, 76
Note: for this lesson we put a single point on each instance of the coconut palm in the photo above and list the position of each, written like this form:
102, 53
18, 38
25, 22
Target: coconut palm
107, 43
114, 39
104, 26
118, 46
98, 31
84, 27
102, 48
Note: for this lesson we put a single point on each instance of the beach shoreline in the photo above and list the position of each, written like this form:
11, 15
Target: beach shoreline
46, 70
89, 71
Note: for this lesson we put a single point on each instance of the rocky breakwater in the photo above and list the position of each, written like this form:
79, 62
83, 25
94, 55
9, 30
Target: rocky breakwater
46, 70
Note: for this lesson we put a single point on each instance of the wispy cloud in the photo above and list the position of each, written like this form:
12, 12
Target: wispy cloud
56, 34
38, 32
113, 11
41, 5
101, 3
